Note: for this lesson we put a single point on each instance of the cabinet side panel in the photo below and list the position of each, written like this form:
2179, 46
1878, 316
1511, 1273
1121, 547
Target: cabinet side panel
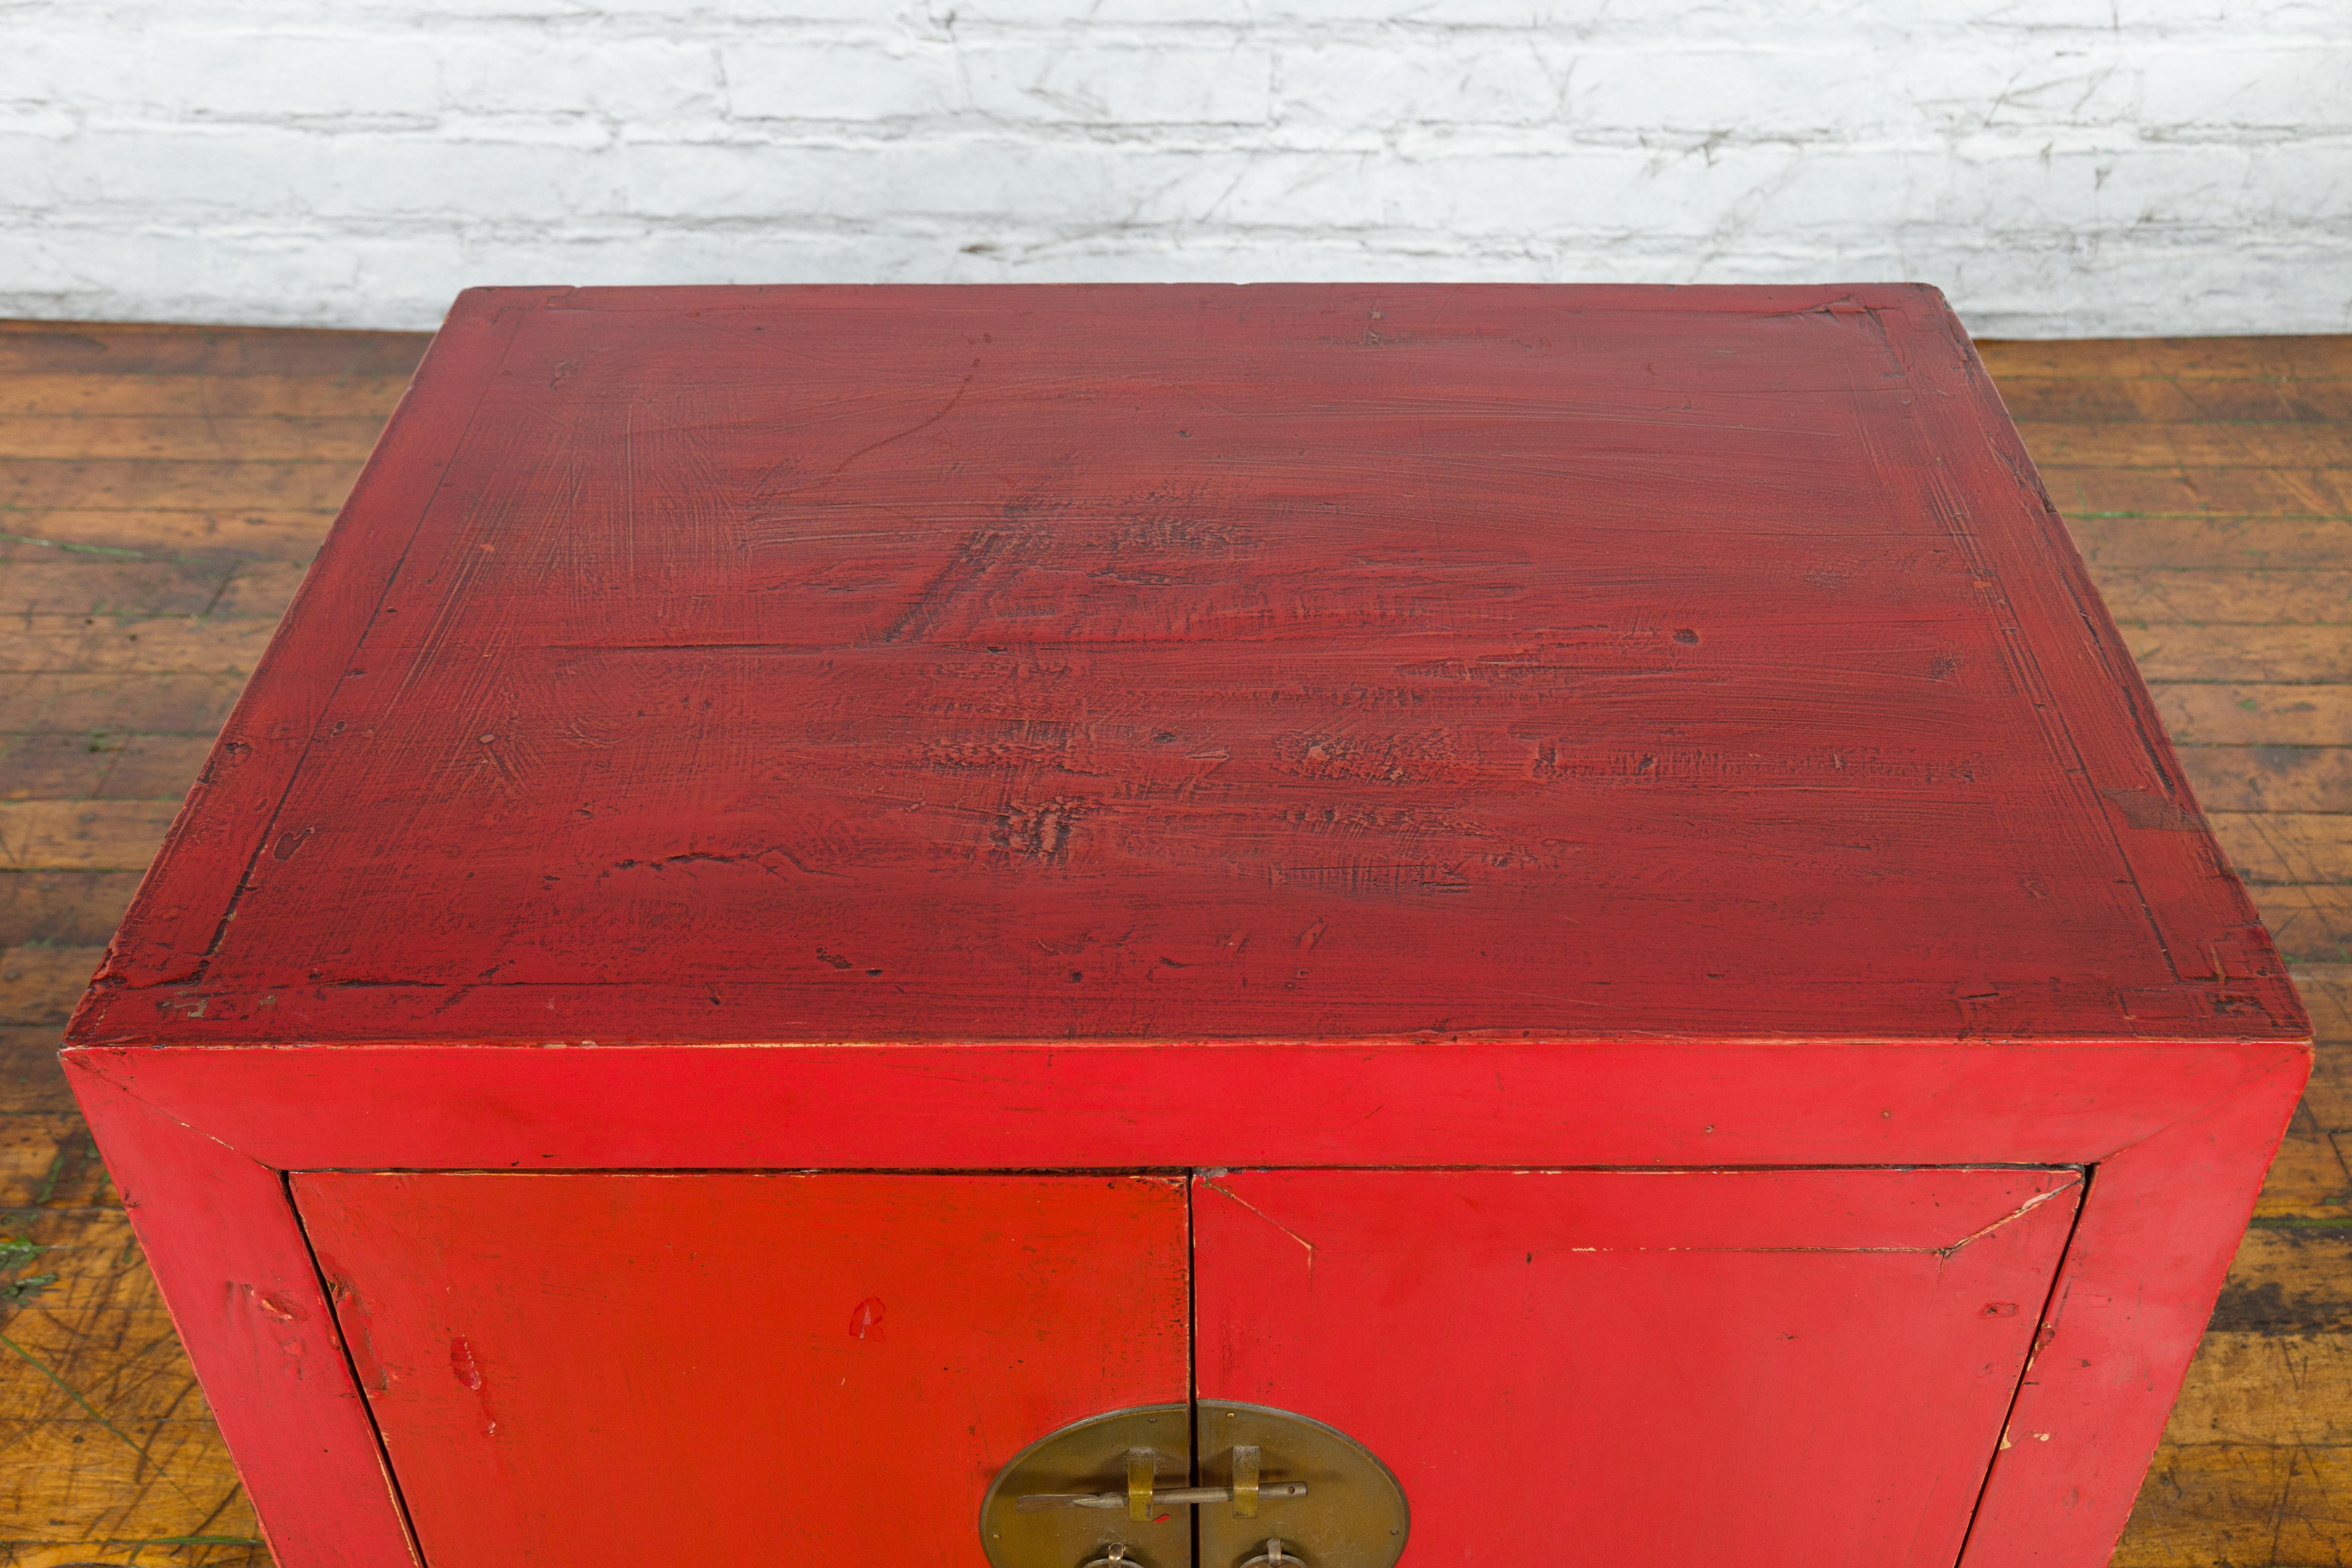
740, 1368
1786, 1369
2160, 1223
229, 1257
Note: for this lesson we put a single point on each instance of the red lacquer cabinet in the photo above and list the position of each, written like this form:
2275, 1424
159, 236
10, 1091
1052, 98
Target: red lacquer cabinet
1154, 926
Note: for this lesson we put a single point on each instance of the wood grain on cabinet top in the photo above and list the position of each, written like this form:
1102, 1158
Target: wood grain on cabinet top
1190, 663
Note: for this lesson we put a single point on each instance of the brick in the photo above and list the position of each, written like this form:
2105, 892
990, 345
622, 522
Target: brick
2056, 170
2299, 90
634, 78
1200, 80
856, 79
284, 73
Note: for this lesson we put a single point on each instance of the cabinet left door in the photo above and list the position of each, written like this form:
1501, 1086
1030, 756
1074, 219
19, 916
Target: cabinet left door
619, 1368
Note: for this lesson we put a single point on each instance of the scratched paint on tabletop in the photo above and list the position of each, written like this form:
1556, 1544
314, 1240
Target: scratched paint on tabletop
1183, 662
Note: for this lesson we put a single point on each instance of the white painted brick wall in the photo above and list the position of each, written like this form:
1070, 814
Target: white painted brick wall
2059, 167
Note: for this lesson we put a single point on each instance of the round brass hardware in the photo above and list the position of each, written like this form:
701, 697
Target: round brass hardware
1353, 1515
1115, 1490
1046, 1506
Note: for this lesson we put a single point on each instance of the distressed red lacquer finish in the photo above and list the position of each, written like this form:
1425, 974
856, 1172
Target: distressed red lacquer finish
1308, 729
575, 1369
1824, 1357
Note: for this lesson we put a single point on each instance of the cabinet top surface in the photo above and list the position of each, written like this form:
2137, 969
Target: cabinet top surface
1193, 663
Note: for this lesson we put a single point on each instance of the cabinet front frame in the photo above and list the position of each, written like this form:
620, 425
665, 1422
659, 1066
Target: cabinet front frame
2175, 1138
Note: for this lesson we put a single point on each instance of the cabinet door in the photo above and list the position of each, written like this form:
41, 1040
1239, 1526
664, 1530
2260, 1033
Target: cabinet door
1676, 1369
594, 1370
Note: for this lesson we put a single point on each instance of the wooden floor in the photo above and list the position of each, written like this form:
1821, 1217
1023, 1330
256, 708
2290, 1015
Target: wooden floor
160, 490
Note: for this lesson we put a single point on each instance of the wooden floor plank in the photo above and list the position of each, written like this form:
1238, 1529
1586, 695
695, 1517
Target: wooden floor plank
2327, 992
202, 437
2147, 445
173, 1553
2288, 1279
40, 984
85, 348
158, 644
2228, 543
106, 1427
205, 396
2328, 1097
35, 581
2252, 654
262, 533
260, 589
98, 766
2284, 846
2229, 1503
2255, 400
32, 1085
47, 582
2309, 1183
182, 485
82, 835
2228, 1397
69, 908
2310, 924
54, 765
2227, 714
2301, 358
2270, 778
2139, 597
178, 703
2081, 490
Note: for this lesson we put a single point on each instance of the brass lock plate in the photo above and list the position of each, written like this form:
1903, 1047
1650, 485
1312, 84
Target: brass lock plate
1353, 1515
1124, 1489
1085, 1458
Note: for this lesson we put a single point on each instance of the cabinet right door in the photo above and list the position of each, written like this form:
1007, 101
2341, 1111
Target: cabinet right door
1681, 1368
